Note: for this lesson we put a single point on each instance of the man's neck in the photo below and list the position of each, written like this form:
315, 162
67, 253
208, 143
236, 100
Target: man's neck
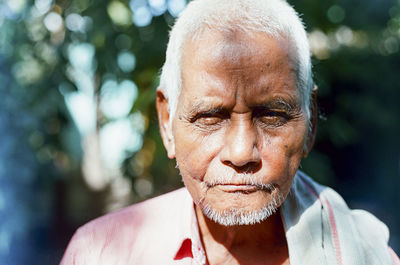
263, 243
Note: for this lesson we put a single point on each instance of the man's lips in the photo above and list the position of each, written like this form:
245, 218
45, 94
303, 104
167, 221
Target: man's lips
232, 188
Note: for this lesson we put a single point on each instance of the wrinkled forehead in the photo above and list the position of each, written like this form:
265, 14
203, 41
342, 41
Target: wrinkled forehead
234, 66
227, 45
234, 49
253, 54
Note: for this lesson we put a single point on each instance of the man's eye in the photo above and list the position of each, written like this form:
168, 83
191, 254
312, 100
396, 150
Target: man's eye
269, 117
260, 113
208, 120
270, 114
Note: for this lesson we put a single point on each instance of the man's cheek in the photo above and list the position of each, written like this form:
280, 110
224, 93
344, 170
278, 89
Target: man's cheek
201, 145
191, 164
283, 153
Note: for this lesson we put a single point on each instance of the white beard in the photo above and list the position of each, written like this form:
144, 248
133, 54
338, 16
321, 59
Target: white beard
234, 216
231, 217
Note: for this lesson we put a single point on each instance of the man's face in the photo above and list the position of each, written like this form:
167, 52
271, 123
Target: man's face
239, 128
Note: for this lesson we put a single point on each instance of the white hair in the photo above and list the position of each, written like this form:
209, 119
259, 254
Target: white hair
274, 17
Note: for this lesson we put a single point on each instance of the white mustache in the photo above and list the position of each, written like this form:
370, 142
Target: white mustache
238, 179
233, 178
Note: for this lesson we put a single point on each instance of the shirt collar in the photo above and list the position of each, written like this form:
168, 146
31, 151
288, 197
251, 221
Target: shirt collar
189, 243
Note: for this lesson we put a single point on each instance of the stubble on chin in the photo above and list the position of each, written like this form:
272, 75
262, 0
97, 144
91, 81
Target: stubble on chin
237, 216
233, 216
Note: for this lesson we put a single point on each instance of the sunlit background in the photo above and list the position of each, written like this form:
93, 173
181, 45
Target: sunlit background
79, 135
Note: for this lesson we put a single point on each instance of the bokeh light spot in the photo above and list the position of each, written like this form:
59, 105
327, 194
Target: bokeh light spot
336, 14
344, 35
43, 6
143, 187
16, 6
391, 45
75, 22
117, 100
142, 16
126, 61
116, 139
158, 7
135, 4
53, 22
81, 56
28, 71
83, 111
119, 13
319, 44
176, 6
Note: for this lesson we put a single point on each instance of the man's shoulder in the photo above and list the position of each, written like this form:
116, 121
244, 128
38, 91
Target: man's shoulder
332, 199
122, 234
334, 202
134, 215
351, 234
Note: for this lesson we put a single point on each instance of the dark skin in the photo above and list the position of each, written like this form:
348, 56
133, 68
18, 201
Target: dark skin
239, 121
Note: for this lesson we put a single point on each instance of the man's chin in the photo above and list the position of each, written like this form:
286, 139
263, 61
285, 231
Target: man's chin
233, 216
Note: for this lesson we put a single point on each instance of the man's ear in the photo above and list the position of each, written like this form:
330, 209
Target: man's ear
312, 123
165, 125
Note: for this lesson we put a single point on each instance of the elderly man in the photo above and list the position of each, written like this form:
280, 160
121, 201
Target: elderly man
236, 107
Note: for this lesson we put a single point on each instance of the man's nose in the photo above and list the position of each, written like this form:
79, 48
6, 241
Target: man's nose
240, 149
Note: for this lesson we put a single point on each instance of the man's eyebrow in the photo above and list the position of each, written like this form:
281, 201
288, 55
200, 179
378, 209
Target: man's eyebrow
289, 105
201, 107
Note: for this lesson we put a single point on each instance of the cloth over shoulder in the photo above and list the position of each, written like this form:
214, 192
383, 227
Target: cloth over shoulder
321, 229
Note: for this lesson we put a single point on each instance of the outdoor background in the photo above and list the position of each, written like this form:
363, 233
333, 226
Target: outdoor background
78, 130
